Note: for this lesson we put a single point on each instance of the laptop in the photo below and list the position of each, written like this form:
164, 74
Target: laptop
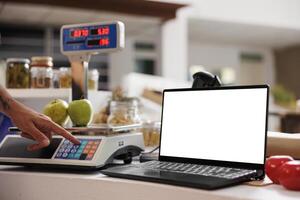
210, 138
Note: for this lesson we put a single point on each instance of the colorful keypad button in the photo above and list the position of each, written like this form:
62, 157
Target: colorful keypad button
84, 151
71, 155
58, 154
77, 156
73, 151
92, 151
67, 150
89, 156
61, 150
84, 142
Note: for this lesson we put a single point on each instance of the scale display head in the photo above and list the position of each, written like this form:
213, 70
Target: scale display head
92, 38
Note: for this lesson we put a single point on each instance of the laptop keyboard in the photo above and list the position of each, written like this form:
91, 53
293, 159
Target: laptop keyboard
204, 170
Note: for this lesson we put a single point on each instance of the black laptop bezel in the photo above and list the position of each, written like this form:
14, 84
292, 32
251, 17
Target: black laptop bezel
259, 167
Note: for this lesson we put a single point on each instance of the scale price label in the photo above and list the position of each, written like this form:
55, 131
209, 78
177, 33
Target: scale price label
92, 38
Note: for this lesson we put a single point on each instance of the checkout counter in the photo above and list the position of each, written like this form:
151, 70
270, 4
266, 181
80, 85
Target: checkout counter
27, 184
41, 183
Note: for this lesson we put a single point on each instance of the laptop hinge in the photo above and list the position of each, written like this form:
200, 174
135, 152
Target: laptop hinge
258, 176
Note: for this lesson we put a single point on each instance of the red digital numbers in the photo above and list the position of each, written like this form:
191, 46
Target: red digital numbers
104, 42
76, 33
85, 32
103, 31
80, 33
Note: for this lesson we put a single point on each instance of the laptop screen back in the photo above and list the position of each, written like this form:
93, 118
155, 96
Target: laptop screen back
226, 124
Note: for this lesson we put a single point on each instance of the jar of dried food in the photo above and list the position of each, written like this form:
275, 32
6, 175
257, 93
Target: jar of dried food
2, 72
65, 79
124, 112
55, 79
151, 133
17, 73
41, 72
93, 77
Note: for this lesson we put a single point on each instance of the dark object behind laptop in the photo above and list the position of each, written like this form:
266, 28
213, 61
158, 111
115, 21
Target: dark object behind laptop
205, 79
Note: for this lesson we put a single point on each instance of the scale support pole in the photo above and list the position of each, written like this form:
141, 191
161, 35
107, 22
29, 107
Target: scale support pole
79, 80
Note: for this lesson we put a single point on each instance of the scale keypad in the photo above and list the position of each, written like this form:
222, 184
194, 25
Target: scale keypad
84, 151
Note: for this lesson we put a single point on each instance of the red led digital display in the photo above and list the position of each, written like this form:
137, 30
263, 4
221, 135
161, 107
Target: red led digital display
104, 42
100, 31
103, 31
80, 33
100, 42
85, 32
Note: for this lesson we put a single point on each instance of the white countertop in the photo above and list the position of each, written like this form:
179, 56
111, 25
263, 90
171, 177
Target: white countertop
25, 183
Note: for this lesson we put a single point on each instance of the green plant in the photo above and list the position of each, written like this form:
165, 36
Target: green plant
283, 96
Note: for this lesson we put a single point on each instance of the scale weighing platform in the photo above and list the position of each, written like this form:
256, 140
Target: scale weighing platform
79, 42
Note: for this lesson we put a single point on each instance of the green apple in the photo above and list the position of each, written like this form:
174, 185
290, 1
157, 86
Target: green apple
80, 112
57, 110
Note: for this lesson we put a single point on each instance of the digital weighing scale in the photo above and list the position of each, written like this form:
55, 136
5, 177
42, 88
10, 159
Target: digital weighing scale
79, 42
94, 151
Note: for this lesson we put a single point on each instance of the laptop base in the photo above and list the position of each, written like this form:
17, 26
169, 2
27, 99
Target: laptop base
173, 178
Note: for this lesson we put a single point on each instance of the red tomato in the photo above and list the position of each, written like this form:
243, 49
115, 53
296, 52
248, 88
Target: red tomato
272, 165
290, 175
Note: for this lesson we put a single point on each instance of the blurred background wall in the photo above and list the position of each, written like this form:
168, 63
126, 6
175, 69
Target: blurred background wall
244, 42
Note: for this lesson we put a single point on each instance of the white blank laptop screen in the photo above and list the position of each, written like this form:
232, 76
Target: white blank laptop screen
223, 125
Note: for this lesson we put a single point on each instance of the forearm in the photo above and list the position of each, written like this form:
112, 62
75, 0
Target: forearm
6, 101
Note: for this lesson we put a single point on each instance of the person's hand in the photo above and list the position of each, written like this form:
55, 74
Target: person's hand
36, 126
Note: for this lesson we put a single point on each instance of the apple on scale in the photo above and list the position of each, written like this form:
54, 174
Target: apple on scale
80, 112
57, 110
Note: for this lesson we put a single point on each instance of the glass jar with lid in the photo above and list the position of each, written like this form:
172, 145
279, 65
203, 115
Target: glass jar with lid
124, 112
93, 76
65, 78
17, 73
41, 72
151, 133
2, 72
55, 78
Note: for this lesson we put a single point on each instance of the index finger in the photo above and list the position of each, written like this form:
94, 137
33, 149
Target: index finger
61, 131
37, 135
